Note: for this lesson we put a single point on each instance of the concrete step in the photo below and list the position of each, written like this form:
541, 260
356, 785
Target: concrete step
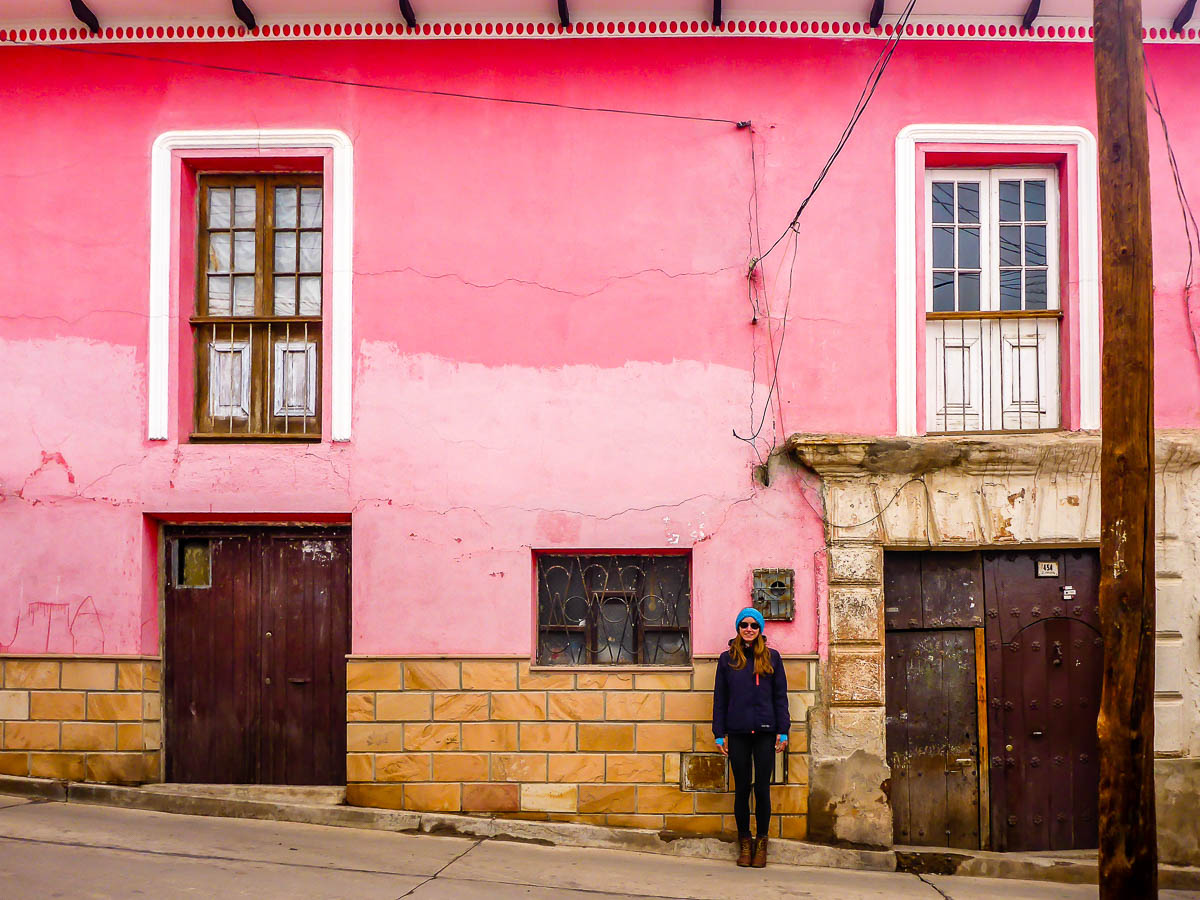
282, 793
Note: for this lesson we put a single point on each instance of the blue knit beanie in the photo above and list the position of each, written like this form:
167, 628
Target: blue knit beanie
753, 614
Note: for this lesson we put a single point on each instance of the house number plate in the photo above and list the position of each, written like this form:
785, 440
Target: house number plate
1047, 568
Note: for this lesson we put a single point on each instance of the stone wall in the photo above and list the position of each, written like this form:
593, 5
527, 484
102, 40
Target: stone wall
969, 492
497, 737
83, 719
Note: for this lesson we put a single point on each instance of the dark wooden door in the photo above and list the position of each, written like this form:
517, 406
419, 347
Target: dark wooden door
1044, 657
932, 737
257, 628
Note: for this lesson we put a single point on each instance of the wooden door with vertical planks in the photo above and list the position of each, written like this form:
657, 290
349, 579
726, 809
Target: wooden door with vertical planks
255, 638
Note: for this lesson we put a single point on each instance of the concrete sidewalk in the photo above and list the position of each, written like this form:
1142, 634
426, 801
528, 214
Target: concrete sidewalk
322, 806
56, 849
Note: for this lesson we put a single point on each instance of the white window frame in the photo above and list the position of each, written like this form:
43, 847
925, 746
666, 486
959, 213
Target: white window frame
164, 233
1086, 246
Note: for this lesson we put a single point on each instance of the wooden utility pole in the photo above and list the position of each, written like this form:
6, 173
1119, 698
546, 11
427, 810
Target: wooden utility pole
1128, 839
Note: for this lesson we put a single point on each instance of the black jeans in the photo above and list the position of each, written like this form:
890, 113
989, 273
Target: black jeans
746, 752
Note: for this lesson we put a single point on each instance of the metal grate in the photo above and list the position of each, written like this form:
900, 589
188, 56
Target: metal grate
775, 594
614, 609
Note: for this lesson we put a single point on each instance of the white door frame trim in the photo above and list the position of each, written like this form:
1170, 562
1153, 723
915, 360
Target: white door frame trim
1088, 247
162, 231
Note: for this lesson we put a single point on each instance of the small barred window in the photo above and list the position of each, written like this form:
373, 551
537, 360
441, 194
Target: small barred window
614, 609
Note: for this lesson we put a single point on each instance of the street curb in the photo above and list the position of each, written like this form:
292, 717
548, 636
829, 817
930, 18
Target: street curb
558, 834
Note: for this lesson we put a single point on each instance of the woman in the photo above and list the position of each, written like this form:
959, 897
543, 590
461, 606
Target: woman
750, 724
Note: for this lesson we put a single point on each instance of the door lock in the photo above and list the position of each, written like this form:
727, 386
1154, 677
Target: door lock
1008, 748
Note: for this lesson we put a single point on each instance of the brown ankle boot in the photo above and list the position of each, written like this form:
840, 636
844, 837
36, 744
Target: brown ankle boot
747, 848
760, 853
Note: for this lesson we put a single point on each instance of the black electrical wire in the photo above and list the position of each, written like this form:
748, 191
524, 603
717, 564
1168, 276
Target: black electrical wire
373, 85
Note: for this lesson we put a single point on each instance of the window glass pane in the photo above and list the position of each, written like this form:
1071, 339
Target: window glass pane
1035, 201
218, 252
285, 296
285, 251
1035, 245
943, 201
666, 649
218, 208
310, 251
943, 248
243, 295
968, 248
310, 208
244, 203
943, 292
968, 291
1010, 289
968, 202
1010, 201
285, 207
1035, 289
310, 295
243, 251
218, 295
1010, 245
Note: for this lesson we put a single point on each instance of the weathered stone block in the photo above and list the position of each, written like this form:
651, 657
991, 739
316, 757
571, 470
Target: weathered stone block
433, 797
608, 737
543, 679
671, 768
852, 510
129, 675
374, 736
374, 675
52, 705
693, 706
14, 764
847, 803
549, 797
461, 706
665, 798
489, 675
855, 614
855, 563
1170, 733
69, 766
1174, 602
361, 767
704, 675
360, 707
841, 730
403, 766
1169, 676
89, 736
79, 675
635, 705
789, 799
549, 736
714, 802
129, 736
603, 681
630, 767
460, 767
431, 675
34, 674
120, 768
623, 820
662, 681
151, 675
794, 828
519, 767
14, 704
1176, 786
489, 736
424, 736
651, 736
152, 706
519, 706
694, 824
704, 772
575, 705
575, 767
380, 796
607, 798
491, 797
904, 520
403, 706
151, 735
856, 676
953, 508
31, 736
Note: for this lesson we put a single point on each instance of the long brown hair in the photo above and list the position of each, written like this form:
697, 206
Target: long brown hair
762, 659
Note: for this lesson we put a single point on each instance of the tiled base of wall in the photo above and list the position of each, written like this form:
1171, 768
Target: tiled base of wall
495, 737
81, 719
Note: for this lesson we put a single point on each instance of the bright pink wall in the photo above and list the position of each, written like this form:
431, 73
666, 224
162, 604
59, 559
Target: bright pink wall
552, 336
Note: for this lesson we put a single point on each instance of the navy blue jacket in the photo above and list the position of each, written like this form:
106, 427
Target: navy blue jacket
745, 702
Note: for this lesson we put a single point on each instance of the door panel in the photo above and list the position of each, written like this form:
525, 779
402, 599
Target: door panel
932, 737
255, 660
1044, 670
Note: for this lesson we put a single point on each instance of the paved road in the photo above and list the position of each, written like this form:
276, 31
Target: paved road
52, 850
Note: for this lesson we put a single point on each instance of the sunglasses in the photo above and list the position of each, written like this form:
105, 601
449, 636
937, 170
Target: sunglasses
749, 623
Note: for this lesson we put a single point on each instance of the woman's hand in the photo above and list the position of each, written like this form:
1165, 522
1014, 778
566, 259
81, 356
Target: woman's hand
724, 750
780, 745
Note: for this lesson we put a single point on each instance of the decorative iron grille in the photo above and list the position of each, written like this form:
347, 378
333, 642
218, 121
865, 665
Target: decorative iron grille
614, 609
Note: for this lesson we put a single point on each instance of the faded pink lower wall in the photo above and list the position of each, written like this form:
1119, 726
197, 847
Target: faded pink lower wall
552, 335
